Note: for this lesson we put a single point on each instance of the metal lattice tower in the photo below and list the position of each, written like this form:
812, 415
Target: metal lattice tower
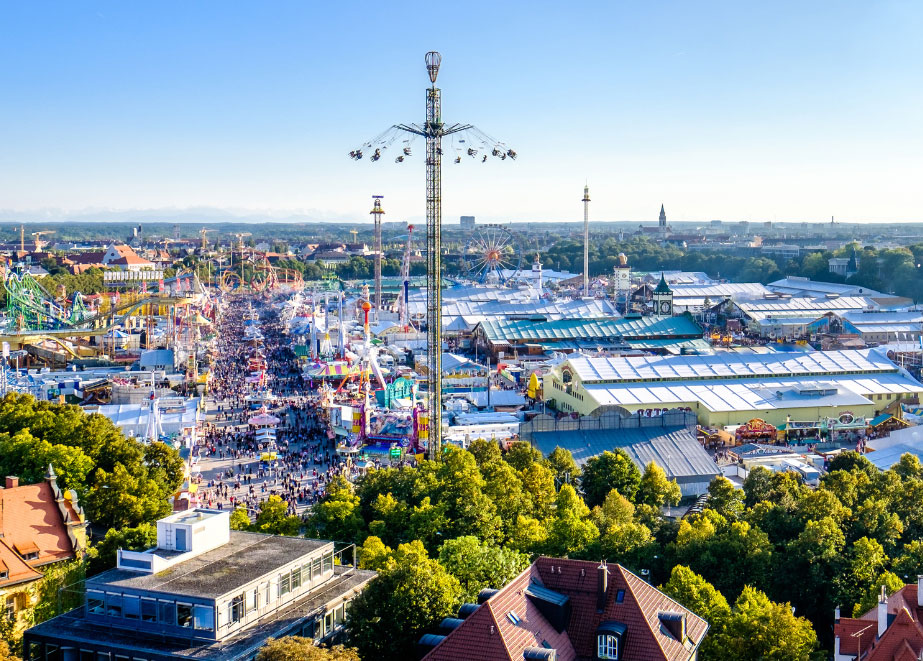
433, 130
586, 240
377, 212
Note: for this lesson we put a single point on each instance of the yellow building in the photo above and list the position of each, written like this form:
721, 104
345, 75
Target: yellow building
733, 388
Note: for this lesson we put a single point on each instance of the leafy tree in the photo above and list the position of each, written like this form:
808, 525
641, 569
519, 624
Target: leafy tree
816, 558
5, 653
485, 452
296, 648
850, 461
701, 597
121, 482
538, 486
761, 629
562, 464
390, 517
620, 534
503, 486
478, 566
240, 519
337, 516
409, 595
468, 510
725, 498
869, 600
908, 467
909, 564
729, 556
103, 554
529, 534
521, 454
866, 561
656, 489
607, 471
373, 554
274, 518
570, 530
757, 486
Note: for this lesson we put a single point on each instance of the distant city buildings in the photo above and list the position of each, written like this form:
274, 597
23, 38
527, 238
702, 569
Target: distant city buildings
467, 222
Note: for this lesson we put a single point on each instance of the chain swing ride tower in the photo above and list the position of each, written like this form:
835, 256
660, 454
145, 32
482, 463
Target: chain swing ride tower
377, 212
465, 140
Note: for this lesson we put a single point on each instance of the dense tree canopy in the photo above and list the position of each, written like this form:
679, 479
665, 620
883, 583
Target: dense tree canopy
121, 482
296, 648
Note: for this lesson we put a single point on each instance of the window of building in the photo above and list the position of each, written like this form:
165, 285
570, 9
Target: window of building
296, 578
607, 646
11, 607
113, 605
184, 615
328, 562
52, 652
4, 574
148, 610
204, 618
236, 609
87, 655
122, 657
267, 594
167, 613
307, 629
35, 650
306, 573
253, 600
131, 607
102, 656
339, 615
285, 585
315, 571
328, 622
620, 596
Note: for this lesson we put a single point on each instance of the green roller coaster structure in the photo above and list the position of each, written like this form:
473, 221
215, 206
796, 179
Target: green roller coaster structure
32, 307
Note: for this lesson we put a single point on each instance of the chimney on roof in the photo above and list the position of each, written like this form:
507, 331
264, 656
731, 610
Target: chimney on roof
882, 612
12, 482
602, 586
920, 590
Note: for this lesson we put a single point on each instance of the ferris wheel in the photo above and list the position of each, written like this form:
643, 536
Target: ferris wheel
493, 254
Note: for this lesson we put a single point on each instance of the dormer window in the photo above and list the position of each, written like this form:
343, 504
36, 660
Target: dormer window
610, 640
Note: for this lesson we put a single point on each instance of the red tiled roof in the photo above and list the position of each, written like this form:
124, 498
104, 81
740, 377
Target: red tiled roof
904, 632
87, 257
17, 570
30, 518
488, 633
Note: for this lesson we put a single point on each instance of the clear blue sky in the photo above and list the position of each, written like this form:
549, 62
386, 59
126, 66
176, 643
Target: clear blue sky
733, 110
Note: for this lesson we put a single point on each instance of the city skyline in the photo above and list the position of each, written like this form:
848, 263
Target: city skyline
786, 113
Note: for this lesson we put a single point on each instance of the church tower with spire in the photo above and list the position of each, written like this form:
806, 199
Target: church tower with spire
663, 222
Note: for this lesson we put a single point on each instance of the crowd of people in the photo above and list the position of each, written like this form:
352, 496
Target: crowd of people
240, 466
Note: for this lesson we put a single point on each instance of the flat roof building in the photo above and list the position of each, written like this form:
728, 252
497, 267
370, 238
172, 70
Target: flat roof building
733, 388
204, 592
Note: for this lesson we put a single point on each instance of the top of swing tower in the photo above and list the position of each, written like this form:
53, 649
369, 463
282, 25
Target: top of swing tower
433, 60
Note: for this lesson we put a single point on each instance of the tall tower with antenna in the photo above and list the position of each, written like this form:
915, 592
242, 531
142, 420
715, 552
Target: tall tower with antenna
586, 240
377, 212
433, 130
662, 222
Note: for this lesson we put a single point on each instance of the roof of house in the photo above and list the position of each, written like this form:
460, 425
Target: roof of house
675, 449
30, 520
17, 570
626, 328
93, 257
903, 639
612, 369
218, 571
511, 621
